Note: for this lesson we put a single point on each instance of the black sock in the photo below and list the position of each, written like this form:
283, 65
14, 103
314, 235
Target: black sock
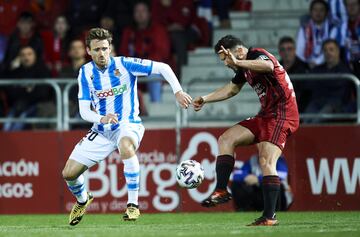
224, 167
271, 189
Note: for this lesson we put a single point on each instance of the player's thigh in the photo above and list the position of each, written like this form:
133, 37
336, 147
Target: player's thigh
237, 135
92, 149
129, 138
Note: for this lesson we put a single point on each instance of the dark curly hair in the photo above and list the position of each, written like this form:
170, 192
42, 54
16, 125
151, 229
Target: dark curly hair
228, 42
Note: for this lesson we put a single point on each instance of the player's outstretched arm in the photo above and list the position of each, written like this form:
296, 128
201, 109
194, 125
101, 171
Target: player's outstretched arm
163, 69
223, 93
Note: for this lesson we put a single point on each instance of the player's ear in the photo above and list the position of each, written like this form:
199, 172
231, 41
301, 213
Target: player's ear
240, 52
88, 50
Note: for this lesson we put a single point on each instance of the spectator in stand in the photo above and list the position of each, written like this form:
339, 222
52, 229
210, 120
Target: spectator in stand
9, 14
247, 190
3, 40
24, 35
352, 41
179, 17
146, 39
108, 23
331, 96
294, 65
222, 8
56, 44
46, 12
333, 63
337, 11
287, 51
28, 100
121, 12
313, 33
77, 55
204, 9
84, 14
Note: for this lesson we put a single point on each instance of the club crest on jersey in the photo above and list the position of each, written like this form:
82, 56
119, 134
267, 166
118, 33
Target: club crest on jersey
117, 73
92, 77
117, 90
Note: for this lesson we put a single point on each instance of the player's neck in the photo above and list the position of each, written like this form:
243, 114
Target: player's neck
101, 67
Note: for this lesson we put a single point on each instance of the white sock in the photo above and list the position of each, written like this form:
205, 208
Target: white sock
77, 188
132, 174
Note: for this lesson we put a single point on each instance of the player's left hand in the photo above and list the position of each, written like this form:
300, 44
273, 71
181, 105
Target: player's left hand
229, 57
183, 99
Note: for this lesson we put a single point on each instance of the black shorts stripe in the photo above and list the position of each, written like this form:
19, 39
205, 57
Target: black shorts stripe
280, 123
278, 128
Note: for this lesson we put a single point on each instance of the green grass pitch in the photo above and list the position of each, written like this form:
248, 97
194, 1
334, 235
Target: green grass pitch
304, 224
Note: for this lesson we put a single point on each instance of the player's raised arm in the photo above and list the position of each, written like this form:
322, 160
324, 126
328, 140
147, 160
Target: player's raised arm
164, 69
262, 65
223, 93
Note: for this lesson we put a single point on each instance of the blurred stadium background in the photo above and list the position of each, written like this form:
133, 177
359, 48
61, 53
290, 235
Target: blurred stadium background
40, 123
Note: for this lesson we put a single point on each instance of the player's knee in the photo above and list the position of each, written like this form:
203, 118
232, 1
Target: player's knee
126, 152
68, 175
267, 164
127, 149
225, 141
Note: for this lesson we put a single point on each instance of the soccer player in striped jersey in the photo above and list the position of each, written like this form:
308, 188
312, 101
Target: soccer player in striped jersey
108, 98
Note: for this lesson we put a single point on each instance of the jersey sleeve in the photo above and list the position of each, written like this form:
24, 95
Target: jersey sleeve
137, 66
84, 90
239, 77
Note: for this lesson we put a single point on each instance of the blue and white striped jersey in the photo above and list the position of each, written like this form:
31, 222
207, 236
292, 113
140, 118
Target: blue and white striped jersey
114, 89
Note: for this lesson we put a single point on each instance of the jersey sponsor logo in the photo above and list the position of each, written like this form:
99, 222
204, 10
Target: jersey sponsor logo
118, 90
260, 90
263, 57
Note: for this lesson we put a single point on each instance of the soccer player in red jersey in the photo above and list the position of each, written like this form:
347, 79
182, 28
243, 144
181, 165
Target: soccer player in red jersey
269, 129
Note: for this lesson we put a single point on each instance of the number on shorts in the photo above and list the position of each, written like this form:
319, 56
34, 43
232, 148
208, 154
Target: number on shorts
92, 136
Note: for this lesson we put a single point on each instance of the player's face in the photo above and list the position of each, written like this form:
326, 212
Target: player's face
239, 54
99, 51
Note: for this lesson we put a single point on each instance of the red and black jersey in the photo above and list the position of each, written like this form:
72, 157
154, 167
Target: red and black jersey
274, 89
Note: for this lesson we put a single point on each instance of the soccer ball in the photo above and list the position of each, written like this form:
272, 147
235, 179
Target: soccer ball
189, 174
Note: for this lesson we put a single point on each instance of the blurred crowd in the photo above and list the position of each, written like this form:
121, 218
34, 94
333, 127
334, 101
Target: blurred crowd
328, 41
45, 39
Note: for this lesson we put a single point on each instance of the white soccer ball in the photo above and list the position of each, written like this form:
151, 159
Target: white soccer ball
189, 174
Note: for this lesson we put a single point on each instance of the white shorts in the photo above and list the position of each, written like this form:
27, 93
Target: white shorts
95, 147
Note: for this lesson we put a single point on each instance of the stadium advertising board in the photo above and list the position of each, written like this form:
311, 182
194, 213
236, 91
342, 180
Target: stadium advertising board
30, 181
324, 172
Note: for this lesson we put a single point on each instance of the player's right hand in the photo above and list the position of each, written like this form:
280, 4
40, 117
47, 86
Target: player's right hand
110, 118
198, 103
